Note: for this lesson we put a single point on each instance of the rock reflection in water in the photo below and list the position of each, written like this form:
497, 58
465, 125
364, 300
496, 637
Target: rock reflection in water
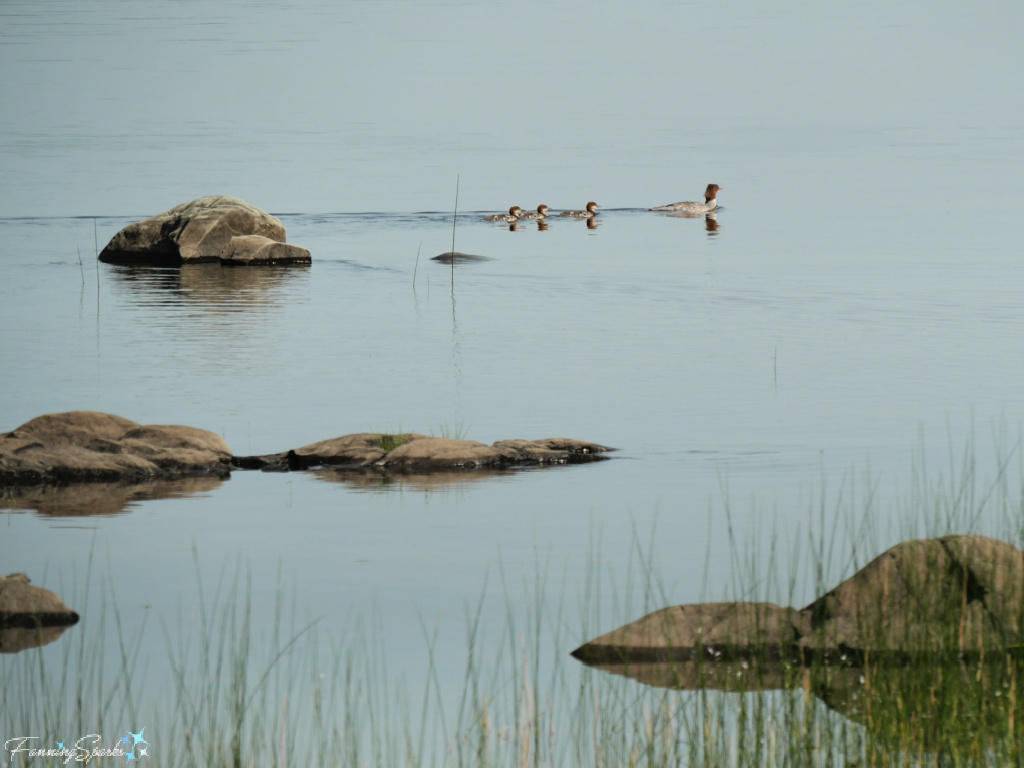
87, 499
375, 481
17, 639
221, 288
930, 705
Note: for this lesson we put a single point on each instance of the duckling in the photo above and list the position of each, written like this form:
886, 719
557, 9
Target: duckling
590, 212
512, 215
540, 213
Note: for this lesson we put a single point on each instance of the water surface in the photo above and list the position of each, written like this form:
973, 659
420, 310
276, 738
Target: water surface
859, 302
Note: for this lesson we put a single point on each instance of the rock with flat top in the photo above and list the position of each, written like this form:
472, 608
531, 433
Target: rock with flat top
414, 452
246, 250
88, 446
204, 230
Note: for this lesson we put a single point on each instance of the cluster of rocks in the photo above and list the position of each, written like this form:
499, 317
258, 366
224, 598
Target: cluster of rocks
962, 594
413, 452
212, 228
88, 446
60, 458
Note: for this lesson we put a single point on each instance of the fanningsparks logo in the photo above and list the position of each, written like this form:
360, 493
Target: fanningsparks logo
90, 747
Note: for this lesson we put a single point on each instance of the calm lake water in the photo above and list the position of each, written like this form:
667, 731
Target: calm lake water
857, 309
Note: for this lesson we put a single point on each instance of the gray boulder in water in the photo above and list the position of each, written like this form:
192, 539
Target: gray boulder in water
212, 228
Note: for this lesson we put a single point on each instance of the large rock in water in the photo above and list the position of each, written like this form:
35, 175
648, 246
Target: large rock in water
213, 228
960, 594
86, 446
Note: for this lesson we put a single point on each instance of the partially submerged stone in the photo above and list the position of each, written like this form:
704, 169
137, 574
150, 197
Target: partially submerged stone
359, 450
30, 616
414, 452
23, 605
961, 593
203, 230
716, 630
458, 258
957, 594
255, 250
87, 446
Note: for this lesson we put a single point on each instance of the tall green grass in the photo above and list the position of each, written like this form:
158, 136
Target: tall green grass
300, 697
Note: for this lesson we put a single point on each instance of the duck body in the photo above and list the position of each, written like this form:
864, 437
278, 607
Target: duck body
511, 216
710, 203
540, 213
588, 213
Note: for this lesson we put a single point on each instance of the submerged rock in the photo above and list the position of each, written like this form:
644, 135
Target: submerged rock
420, 452
210, 228
956, 594
87, 446
458, 258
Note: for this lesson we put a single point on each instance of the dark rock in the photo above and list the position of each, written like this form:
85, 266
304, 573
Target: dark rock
202, 230
458, 258
86, 446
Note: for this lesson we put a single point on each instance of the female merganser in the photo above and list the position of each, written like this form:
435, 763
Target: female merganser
590, 212
709, 204
540, 213
512, 215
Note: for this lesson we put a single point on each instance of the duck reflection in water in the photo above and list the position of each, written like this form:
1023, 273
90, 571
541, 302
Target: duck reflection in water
711, 224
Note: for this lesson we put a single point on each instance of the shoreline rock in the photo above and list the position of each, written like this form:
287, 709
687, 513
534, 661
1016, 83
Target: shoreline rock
960, 594
212, 228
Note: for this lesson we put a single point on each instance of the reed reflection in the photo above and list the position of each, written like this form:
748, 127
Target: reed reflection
932, 705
